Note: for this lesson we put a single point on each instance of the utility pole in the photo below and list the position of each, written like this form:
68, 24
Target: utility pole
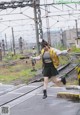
61, 33
76, 30
38, 23
21, 45
36, 26
13, 41
47, 23
6, 45
0, 52
3, 47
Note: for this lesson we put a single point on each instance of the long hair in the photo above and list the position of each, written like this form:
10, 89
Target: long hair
44, 43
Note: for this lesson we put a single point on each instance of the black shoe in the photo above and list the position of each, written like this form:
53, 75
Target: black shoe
33, 70
44, 94
63, 80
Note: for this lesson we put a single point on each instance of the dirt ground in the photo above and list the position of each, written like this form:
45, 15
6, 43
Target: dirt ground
18, 71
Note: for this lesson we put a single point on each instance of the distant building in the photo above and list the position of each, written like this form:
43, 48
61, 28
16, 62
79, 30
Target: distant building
55, 36
77, 42
70, 37
66, 38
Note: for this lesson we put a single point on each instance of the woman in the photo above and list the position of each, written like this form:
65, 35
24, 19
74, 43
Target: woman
48, 55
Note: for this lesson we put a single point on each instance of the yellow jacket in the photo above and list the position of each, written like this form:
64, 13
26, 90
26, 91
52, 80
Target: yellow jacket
53, 56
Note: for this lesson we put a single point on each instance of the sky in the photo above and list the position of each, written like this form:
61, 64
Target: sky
21, 19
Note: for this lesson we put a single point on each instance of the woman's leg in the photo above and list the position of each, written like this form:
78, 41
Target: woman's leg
45, 87
57, 81
45, 82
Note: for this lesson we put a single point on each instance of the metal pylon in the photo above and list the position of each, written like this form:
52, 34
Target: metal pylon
38, 23
37, 14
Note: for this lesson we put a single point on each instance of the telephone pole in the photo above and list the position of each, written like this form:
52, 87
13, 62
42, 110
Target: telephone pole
13, 41
47, 23
21, 45
6, 45
76, 30
38, 22
3, 47
0, 52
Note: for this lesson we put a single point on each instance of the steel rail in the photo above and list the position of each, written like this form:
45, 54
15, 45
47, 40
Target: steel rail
15, 98
20, 96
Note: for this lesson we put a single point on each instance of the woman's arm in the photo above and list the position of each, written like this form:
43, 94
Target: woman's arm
59, 52
36, 58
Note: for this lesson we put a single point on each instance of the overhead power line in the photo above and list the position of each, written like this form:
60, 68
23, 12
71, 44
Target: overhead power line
60, 3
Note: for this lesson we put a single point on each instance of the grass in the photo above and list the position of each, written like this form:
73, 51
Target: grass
7, 78
21, 71
75, 50
64, 59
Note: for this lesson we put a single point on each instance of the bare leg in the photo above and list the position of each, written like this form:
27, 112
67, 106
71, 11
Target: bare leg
45, 87
57, 81
45, 82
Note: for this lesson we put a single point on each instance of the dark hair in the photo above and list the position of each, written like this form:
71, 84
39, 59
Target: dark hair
44, 43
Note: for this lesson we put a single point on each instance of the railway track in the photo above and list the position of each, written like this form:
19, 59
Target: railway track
63, 71
71, 67
18, 93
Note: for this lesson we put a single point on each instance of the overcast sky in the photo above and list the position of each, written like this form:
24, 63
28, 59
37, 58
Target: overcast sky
21, 19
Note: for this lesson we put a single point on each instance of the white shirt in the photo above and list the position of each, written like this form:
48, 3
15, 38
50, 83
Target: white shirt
59, 52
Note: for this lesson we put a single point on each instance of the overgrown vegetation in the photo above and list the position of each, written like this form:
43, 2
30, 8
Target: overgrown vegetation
20, 71
75, 50
11, 57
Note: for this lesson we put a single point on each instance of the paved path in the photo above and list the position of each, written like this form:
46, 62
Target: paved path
33, 104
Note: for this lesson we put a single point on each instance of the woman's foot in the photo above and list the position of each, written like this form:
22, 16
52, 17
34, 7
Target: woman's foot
44, 94
63, 80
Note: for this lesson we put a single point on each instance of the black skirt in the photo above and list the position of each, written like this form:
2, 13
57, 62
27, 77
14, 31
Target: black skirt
49, 70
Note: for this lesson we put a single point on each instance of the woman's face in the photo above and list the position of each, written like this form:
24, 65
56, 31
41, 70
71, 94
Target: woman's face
46, 48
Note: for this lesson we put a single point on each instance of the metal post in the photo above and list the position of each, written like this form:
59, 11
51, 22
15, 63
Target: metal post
61, 33
21, 45
38, 23
0, 53
3, 47
76, 30
13, 42
6, 45
47, 24
36, 27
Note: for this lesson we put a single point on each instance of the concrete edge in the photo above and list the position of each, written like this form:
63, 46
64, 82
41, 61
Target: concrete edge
74, 87
68, 95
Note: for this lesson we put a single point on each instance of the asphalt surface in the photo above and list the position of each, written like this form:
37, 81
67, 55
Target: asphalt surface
32, 103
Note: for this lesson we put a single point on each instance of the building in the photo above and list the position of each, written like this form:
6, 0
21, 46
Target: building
66, 38
55, 36
70, 38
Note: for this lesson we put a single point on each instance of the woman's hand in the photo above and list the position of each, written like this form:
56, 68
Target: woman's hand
68, 50
31, 57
